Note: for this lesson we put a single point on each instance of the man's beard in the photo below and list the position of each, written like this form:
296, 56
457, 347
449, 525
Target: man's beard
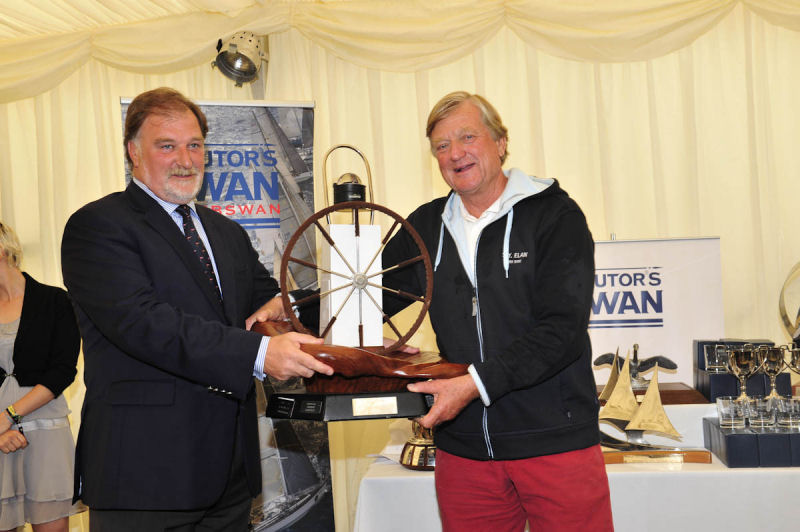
176, 191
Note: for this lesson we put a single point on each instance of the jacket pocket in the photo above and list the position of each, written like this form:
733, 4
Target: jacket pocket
153, 393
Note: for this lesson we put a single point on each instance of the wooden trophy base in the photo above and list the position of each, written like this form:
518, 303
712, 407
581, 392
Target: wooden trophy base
347, 406
367, 383
616, 451
679, 456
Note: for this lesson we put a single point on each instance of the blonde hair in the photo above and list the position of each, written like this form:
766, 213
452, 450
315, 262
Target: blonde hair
10, 246
489, 115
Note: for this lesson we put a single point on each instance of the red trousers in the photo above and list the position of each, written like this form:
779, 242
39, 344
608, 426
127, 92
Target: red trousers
561, 492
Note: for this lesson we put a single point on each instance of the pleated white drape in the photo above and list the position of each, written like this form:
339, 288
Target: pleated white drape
663, 119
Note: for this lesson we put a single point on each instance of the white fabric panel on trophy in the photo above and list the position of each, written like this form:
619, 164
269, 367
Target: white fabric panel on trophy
350, 307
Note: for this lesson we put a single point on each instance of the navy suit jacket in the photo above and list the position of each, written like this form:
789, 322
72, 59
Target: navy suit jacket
168, 368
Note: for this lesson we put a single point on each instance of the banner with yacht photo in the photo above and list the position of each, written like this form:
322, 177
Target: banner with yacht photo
259, 173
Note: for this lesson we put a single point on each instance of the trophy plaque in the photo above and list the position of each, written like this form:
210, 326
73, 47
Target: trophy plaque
333, 262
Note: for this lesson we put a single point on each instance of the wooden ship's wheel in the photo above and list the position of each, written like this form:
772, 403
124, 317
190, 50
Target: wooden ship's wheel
358, 278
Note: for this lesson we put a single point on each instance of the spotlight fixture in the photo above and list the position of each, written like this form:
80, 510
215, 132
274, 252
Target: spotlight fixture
240, 57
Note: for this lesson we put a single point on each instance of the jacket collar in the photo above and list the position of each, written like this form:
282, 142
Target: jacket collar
518, 187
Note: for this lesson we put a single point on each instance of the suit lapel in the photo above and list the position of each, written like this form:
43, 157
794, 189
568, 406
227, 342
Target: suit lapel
157, 218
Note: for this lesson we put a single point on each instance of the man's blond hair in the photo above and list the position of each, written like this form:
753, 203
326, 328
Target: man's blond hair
489, 115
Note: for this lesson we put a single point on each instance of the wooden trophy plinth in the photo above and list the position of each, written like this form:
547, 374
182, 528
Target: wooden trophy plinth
367, 383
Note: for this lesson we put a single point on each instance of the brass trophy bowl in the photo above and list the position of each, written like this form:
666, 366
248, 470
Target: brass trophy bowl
743, 363
419, 452
772, 361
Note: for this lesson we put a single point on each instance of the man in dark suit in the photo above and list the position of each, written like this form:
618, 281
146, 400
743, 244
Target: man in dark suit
165, 292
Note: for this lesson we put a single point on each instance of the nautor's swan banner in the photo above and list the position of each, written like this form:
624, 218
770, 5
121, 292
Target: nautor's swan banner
659, 294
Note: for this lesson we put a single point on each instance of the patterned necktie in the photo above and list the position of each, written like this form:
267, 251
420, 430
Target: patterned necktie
190, 232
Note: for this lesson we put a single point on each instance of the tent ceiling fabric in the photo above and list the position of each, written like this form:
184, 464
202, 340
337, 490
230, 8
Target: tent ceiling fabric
44, 41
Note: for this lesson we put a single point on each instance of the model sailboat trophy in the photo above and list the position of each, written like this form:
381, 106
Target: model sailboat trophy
624, 412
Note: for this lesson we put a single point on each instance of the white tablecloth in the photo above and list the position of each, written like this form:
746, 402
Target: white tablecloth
644, 497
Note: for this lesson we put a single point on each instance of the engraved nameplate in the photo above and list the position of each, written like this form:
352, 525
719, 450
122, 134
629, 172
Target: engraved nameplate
374, 406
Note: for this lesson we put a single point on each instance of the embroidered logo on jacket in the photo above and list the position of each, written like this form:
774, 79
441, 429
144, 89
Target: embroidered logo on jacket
516, 257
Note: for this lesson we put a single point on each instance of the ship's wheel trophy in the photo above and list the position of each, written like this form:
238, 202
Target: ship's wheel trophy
333, 262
